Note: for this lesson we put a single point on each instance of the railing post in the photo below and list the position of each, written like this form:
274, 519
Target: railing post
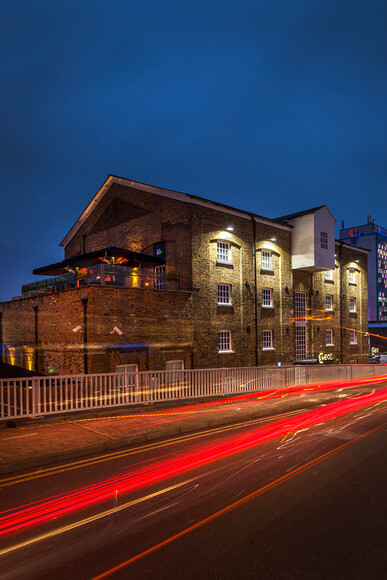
36, 396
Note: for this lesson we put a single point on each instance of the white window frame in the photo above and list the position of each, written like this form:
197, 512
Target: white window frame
224, 340
266, 260
301, 342
351, 276
329, 275
329, 302
174, 365
329, 337
324, 240
224, 295
352, 304
159, 278
267, 340
352, 336
223, 252
267, 297
300, 306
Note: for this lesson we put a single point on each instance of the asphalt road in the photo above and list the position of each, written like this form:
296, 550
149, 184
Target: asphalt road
308, 501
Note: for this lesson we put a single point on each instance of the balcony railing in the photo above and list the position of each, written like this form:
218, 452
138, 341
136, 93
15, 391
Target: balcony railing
104, 275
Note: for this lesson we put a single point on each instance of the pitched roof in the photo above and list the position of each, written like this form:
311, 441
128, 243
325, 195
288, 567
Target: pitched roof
299, 214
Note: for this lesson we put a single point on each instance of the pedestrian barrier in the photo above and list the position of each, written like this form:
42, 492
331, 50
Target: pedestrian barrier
31, 397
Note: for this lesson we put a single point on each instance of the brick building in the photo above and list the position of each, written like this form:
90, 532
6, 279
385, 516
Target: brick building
158, 279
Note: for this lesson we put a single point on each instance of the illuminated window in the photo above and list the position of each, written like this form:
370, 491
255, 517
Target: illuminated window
301, 352
266, 262
352, 304
267, 297
329, 337
160, 280
223, 252
267, 340
324, 240
225, 341
351, 276
352, 337
328, 274
224, 294
329, 302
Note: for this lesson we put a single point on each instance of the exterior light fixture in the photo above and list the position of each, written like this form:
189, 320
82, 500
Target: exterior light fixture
117, 330
230, 229
77, 328
273, 239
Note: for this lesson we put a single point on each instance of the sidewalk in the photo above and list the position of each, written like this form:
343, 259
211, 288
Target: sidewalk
38, 442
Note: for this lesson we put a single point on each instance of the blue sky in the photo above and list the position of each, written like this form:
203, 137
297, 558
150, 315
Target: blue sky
269, 106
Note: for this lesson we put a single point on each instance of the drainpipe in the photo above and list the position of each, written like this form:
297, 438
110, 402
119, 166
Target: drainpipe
36, 357
255, 291
84, 304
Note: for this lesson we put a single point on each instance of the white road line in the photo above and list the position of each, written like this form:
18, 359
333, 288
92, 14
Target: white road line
19, 436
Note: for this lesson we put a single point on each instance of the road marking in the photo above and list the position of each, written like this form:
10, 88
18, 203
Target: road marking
13, 480
91, 518
19, 436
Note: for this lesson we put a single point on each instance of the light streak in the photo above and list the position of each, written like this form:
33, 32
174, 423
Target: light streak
232, 506
19, 519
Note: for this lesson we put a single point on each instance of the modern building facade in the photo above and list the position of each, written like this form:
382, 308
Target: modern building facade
157, 279
374, 239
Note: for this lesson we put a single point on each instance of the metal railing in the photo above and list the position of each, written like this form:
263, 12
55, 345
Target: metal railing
30, 397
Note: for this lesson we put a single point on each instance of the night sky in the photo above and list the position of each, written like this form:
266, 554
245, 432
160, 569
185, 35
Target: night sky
269, 106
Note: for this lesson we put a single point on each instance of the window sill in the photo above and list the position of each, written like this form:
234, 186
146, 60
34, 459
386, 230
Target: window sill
330, 344
226, 351
354, 343
329, 310
268, 348
225, 304
266, 306
352, 283
352, 311
218, 263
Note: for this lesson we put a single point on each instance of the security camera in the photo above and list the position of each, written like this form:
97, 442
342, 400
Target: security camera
77, 328
117, 330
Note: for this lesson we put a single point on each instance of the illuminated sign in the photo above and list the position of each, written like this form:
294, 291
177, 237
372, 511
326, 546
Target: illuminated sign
354, 233
159, 250
324, 356
374, 350
381, 232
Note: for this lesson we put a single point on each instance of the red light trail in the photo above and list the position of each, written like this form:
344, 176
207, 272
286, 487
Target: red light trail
17, 519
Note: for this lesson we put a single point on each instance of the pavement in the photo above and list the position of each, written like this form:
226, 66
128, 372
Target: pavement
35, 442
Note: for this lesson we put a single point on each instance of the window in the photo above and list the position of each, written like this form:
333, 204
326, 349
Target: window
174, 365
160, 281
224, 294
300, 305
351, 276
223, 252
266, 263
329, 302
225, 341
267, 297
300, 342
329, 337
352, 337
328, 274
324, 240
352, 304
267, 340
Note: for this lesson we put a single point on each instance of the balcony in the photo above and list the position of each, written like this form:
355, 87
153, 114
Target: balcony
104, 275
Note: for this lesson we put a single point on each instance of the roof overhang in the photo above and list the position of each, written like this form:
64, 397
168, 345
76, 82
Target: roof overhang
129, 258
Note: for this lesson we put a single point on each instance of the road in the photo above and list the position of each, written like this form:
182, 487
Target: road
300, 495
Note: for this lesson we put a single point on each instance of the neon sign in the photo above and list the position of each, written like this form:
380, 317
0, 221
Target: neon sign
354, 233
324, 356
381, 232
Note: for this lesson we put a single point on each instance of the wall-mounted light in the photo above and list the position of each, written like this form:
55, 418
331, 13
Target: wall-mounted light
286, 290
230, 229
287, 329
273, 239
317, 292
247, 284
77, 328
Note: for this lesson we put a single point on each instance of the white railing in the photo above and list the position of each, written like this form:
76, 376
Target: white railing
30, 397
